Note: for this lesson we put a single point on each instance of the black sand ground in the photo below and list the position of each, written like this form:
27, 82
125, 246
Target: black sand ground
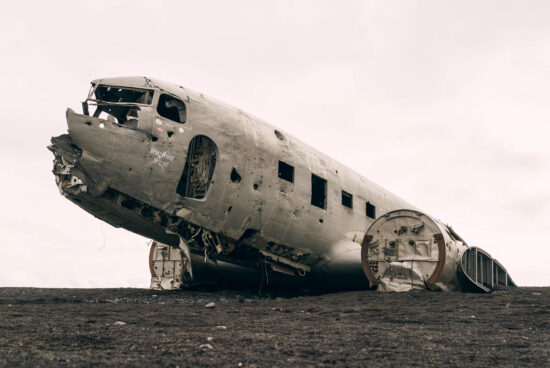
78, 327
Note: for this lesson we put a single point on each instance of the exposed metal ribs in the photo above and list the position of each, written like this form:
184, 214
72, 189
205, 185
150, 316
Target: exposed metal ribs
199, 168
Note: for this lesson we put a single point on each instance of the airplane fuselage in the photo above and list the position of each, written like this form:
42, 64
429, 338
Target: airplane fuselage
175, 166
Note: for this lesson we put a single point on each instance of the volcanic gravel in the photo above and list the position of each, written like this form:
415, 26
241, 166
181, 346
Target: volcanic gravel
238, 328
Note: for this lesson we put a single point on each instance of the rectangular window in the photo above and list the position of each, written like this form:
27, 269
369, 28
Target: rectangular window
286, 171
371, 210
125, 95
347, 199
318, 191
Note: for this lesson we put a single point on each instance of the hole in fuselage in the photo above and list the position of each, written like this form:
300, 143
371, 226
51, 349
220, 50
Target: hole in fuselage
248, 233
235, 177
199, 168
279, 135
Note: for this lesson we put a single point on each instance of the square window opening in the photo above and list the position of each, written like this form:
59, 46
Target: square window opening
347, 199
286, 171
371, 210
318, 191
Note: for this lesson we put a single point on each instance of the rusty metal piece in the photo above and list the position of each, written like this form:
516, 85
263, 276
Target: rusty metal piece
364, 259
151, 254
440, 261
410, 260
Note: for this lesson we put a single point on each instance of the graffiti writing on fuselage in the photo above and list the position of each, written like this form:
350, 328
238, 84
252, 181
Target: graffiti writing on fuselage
160, 158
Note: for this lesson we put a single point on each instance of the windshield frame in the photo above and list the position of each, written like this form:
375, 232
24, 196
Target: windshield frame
151, 95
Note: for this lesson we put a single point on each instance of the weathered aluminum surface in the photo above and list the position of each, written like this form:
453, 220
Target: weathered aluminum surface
405, 250
188, 171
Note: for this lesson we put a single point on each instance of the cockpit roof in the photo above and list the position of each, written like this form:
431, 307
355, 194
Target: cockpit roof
144, 82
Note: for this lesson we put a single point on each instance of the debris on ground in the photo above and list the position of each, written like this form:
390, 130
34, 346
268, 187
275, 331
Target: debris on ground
344, 329
205, 347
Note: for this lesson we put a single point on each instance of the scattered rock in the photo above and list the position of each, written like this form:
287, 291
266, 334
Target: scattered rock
209, 338
205, 347
167, 337
119, 323
210, 305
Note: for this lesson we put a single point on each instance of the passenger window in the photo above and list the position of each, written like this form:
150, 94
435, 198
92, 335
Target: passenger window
286, 171
371, 210
347, 199
172, 108
318, 191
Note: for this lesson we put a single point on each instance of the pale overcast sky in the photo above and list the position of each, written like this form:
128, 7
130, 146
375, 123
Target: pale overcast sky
445, 103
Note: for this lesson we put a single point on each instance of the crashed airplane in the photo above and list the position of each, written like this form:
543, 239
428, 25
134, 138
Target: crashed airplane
223, 193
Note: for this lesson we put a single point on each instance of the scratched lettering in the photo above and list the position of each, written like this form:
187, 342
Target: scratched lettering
161, 158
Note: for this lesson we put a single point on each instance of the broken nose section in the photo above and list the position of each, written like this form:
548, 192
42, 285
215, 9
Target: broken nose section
89, 158
98, 152
70, 178
78, 155
67, 156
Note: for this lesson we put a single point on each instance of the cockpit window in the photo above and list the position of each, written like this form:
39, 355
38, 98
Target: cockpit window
172, 108
120, 114
117, 104
118, 94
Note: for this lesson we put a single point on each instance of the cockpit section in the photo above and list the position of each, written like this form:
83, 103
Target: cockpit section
136, 108
118, 94
172, 108
160, 114
120, 105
